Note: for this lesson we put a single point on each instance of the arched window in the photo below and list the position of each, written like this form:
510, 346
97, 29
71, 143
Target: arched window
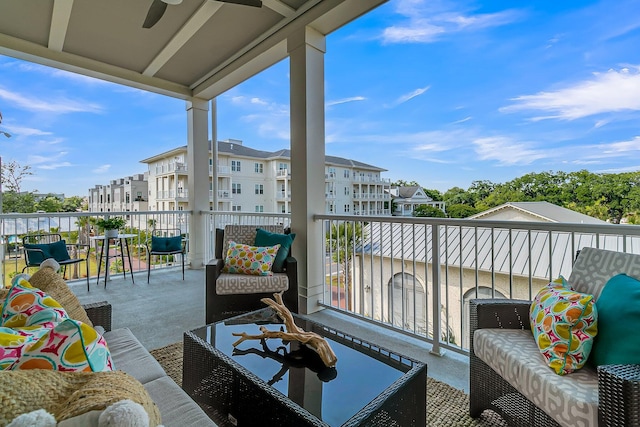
407, 301
483, 292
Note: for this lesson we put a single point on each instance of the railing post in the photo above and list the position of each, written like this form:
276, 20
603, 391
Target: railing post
435, 289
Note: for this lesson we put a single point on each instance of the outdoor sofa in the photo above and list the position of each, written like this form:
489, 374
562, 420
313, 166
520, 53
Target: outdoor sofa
150, 383
509, 375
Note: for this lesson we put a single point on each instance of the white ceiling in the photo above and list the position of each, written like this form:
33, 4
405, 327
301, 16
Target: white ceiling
199, 48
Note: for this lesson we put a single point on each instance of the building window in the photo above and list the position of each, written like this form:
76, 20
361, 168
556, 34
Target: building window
259, 189
283, 166
236, 208
331, 208
127, 198
282, 209
407, 303
235, 165
236, 188
346, 173
259, 208
346, 208
346, 191
259, 168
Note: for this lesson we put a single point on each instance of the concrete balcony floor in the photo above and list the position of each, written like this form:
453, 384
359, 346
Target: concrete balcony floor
159, 312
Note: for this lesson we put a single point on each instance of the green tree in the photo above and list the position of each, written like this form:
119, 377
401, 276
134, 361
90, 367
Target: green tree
434, 194
18, 202
50, 203
458, 196
461, 211
72, 204
343, 239
428, 211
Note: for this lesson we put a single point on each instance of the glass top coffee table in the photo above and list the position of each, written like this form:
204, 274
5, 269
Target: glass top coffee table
272, 382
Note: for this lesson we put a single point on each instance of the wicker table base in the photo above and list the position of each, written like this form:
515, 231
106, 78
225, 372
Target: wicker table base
259, 386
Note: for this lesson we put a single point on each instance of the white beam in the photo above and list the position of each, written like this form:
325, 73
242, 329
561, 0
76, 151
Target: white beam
279, 7
197, 20
59, 23
28, 51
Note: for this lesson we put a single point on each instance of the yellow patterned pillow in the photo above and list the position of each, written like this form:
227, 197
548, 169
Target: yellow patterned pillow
564, 324
246, 259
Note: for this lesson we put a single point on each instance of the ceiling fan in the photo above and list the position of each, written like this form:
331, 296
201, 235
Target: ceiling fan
158, 8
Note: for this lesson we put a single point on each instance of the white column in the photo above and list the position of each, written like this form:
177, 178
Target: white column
198, 173
214, 152
306, 50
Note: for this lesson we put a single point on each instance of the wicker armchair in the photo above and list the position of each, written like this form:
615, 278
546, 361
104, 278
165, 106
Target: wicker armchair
220, 304
618, 386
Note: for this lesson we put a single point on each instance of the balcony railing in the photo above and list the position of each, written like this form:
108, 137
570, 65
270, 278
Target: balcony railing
412, 275
79, 228
417, 275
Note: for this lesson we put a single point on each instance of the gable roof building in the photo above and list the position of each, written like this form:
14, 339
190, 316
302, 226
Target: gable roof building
536, 211
405, 200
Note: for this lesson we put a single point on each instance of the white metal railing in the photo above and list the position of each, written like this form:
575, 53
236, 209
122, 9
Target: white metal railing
283, 173
417, 275
79, 227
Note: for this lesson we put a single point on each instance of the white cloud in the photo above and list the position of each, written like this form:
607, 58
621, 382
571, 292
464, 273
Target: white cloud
610, 92
54, 106
345, 100
466, 119
411, 95
53, 166
36, 159
102, 169
427, 20
24, 131
507, 151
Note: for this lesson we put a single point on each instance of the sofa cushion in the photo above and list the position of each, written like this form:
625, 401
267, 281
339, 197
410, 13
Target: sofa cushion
618, 341
594, 267
252, 260
130, 356
267, 238
176, 407
36, 333
564, 324
228, 284
513, 354
48, 280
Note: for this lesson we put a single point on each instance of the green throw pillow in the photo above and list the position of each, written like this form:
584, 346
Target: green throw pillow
56, 250
166, 244
266, 238
618, 306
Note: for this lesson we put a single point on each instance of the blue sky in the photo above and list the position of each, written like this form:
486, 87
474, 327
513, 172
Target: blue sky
440, 92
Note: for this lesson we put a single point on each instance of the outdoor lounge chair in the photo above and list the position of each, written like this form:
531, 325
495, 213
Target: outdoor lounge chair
232, 294
165, 242
38, 247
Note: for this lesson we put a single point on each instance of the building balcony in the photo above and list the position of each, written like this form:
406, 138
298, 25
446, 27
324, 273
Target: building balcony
222, 170
283, 174
283, 195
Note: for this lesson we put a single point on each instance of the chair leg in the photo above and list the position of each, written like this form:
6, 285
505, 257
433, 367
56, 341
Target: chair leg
148, 268
86, 263
182, 266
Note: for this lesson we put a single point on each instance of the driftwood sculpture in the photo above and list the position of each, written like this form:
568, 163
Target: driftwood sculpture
292, 333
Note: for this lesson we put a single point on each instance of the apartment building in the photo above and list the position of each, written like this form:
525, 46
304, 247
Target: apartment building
128, 194
250, 180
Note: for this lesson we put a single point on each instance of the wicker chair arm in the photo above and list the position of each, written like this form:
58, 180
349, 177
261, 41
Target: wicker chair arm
500, 313
99, 313
619, 395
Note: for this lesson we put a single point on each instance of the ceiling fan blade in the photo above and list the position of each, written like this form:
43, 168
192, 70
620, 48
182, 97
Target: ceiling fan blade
156, 11
255, 3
